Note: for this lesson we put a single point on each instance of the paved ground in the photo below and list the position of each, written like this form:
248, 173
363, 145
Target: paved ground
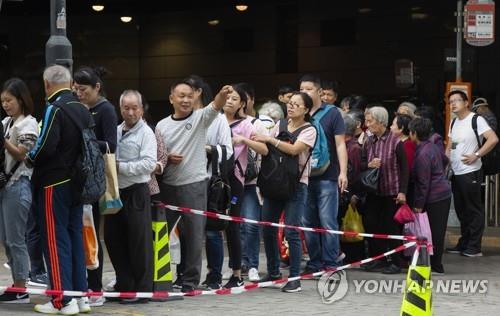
308, 302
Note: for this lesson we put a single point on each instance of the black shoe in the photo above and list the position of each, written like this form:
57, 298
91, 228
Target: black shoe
41, 279
392, 269
187, 288
457, 249
136, 300
234, 281
14, 298
375, 266
437, 269
244, 270
472, 253
270, 278
292, 287
213, 282
113, 299
309, 270
178, 282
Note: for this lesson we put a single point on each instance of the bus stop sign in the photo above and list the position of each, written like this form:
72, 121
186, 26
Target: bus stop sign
479, 16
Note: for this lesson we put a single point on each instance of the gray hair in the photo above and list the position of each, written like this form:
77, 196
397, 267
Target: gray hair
273, 110
57, 74
350, 125
135, 93
411, 107
379, 114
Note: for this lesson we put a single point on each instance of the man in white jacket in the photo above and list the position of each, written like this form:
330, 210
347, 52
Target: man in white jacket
128, 233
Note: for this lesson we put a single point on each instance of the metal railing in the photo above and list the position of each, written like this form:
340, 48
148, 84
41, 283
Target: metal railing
491, 199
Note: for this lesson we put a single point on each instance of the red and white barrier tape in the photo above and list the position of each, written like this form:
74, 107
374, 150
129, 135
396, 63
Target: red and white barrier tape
306, 229
234, 290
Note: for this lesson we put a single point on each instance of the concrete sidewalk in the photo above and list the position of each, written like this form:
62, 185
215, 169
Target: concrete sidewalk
308, 302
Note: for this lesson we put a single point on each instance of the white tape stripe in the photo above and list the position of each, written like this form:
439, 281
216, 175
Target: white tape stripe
308, 229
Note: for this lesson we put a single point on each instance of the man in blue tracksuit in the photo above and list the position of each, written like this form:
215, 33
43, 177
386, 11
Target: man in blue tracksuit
58, 206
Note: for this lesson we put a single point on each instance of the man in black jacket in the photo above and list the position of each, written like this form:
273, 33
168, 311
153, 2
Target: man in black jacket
54, 195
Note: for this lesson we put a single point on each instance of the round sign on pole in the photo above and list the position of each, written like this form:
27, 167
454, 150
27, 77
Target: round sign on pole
479, 21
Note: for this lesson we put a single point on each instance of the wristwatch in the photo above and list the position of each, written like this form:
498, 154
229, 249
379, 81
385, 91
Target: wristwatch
477, 154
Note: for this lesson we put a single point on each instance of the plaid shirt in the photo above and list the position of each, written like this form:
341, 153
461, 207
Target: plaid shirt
393, 177
428, 175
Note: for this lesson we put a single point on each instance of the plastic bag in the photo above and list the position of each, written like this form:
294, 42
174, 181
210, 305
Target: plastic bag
404, 214
420, 228
90, 244
175, 245
352, 222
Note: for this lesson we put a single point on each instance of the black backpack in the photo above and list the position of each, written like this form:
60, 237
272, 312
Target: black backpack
88, 174
279, 172
219, 190
490, 161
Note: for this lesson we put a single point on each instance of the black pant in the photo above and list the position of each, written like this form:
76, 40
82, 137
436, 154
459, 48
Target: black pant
129, 240
438, 220
233, 228
34, 244
378, 219
467, 199
94, 277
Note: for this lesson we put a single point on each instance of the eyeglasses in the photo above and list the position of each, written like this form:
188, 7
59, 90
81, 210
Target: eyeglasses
294, 105
456, 101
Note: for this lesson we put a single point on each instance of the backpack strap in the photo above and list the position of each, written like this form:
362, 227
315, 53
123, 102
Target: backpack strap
234, 124
223, 167
283, 126
214, 156
474, 128
240, 168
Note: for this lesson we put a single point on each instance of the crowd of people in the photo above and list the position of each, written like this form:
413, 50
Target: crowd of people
172, 162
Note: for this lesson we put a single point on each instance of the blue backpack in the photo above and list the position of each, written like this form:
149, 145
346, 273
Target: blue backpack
320, 159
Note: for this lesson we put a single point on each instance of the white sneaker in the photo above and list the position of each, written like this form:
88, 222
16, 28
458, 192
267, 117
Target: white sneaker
253, 275
69, 309
6, 266
96, 301
110, 287
227, 275
83, 305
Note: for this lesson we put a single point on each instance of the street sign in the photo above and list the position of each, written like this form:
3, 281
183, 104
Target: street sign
479, 21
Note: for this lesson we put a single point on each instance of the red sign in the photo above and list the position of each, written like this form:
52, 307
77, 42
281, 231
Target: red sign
479, 21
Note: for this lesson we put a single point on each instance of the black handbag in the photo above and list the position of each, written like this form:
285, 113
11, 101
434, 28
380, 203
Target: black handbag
369, 179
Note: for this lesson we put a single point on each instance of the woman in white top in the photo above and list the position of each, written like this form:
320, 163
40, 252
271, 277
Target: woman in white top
21, 132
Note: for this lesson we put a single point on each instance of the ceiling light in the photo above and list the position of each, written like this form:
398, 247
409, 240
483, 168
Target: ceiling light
241, 7
97, 7
213, 22
364, 10
126, 19
416, 9
419, 16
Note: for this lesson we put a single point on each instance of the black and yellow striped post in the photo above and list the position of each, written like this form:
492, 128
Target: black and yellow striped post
162, 273
417, 298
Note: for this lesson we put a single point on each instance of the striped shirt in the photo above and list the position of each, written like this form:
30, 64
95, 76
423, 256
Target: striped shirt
393, 178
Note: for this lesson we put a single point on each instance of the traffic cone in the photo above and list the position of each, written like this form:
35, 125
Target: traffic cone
417, 298
162, 273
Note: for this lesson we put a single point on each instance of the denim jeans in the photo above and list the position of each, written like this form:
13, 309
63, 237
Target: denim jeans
250, 233
271, 211
322, 210
214, 247
15, 204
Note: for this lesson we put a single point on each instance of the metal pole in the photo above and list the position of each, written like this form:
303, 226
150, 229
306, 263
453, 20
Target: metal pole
58, 49
460, 13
